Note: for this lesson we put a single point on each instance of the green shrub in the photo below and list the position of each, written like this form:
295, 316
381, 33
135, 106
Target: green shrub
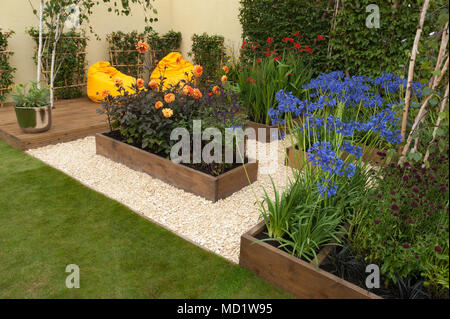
261, 19
209, 51
6, 70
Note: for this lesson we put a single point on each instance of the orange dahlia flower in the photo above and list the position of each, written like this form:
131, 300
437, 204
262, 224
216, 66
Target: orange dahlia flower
216, 90
142, 47
169, 98
153, 84
167, 112
188, 90
226, 69
197, 70
140, 83
159, 105
224, 79
197, 94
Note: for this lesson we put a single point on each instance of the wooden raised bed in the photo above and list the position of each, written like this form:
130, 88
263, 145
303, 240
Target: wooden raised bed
181, 176
267, 133
298, 277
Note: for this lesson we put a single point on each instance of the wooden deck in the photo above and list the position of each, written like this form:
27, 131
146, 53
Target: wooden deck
71, 120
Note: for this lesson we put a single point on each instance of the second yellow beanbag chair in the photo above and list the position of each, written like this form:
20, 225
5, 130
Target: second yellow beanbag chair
174, 68
101, 77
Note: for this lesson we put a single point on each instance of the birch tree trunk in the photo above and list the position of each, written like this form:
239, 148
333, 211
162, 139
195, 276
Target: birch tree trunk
436, 127
39, 57
52, 69
421, 114
411, 66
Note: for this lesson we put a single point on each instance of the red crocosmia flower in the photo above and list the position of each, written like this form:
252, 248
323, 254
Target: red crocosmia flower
297, 46
319, 37
268, 54
243, 44
263, 79
289, 74
259, 61
276, 58
269, 40
249, 79
253, 81
254, 47
297, 34
307, 48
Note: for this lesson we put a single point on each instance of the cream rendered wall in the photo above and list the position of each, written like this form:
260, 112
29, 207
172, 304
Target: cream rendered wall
210, 16
189, 17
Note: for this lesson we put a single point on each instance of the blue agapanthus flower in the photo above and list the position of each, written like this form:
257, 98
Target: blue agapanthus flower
327, 188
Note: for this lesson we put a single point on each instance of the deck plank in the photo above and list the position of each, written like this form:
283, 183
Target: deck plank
71, 119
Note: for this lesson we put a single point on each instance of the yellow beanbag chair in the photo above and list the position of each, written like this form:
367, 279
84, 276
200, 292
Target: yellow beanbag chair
101, 77
176, 70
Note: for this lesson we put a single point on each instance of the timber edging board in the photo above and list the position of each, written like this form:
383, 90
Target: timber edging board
300, 278
178, 175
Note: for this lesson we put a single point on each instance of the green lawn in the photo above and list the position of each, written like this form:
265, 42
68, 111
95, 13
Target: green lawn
48, 220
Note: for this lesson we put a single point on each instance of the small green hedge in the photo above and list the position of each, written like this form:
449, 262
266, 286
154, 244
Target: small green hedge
6, 70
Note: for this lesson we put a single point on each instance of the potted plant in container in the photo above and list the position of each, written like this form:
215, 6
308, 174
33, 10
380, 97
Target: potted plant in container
32, 108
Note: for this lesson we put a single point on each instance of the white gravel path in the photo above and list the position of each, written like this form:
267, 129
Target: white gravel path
214, 226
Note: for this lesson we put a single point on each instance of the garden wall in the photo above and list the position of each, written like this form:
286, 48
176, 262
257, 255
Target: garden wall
218, 16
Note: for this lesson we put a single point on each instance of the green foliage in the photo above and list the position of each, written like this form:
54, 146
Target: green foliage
123, 54
259, 82
261, 19
209, 51
33, 97
357, 49
406, 230
6, 70
161, 45
70, 58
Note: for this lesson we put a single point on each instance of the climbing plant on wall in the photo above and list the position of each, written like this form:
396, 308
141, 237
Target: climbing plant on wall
6, 70
70, 62
209, 51
161, 45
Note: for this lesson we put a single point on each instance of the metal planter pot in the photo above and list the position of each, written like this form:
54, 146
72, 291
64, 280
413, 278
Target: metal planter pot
34, 119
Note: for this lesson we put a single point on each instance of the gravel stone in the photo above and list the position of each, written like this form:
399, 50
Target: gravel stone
214, 226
